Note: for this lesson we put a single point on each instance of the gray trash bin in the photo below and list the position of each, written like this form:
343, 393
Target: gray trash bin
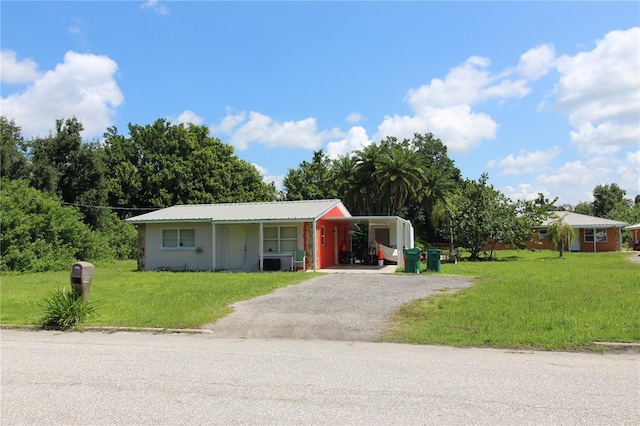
81, 277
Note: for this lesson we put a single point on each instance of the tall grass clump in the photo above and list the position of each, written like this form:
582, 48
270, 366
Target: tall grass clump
63, 308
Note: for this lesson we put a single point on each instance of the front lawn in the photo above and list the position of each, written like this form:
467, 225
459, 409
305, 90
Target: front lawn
530, 300
128, 298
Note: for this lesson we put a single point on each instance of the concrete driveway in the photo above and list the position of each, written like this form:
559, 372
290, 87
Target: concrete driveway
352, 306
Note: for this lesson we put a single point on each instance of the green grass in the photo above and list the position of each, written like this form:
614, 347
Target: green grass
523, 300
128, 298
530, 300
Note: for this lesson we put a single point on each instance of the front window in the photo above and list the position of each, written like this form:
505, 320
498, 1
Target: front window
178, 238
323, 238
601, 235
542, 234
280, 239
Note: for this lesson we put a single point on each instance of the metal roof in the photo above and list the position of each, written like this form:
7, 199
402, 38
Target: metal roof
578, 220
243, 212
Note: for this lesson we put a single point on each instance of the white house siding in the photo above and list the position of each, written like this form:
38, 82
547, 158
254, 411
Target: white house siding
196, 259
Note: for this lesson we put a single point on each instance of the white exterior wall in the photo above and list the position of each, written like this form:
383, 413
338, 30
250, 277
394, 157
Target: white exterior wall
195, 259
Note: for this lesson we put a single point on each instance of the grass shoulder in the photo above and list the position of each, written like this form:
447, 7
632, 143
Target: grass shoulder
530, 300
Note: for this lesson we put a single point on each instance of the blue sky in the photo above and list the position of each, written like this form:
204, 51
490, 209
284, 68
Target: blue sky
544, 96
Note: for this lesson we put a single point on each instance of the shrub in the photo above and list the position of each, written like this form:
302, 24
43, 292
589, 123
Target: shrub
64, 308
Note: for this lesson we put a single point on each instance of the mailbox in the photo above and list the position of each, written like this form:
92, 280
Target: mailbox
81, 277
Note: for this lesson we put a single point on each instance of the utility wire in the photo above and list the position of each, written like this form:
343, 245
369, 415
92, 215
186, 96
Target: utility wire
85, 205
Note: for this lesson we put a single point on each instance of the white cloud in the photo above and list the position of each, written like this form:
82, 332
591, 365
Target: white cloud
524, 191
83, 86
354, 117
536, 63
628, 174
267, 178
229, 122
528, 162
458, 127
444, 107
356, 138
600, 90
574, 181
260, 128
14, 71
189, 117
155, 5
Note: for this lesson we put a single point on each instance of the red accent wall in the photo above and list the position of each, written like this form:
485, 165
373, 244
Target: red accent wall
327, 253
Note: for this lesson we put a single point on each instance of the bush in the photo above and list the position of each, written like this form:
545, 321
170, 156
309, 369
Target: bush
64, 308
40, 234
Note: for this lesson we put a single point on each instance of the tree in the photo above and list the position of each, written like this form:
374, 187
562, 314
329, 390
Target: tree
63, 165
399, 174
162, 164
560, 232
13, 151
584, 208
39, 234
607, 197
474, 215
482, 216
311, 180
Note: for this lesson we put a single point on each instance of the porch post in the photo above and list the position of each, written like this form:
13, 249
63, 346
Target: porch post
594, 240
261, 246
315, 244
213, 246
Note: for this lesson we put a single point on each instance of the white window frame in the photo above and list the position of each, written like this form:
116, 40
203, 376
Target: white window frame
542, 234
181, 239
277, 240
598, 232
323, 236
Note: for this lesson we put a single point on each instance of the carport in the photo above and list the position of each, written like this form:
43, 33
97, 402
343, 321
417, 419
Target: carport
393, 232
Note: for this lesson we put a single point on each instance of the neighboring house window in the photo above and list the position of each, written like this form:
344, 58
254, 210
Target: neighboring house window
601, 235
280, 239
542, 234
178, 238
323, 238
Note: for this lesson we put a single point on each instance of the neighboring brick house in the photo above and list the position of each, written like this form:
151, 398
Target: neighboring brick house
593, 234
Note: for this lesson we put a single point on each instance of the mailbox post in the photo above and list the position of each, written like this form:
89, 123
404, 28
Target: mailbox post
81, 277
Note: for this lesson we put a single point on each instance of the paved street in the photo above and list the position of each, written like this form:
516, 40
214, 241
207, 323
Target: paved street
139, 378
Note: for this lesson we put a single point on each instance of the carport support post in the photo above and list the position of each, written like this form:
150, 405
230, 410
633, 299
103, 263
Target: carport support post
400, 237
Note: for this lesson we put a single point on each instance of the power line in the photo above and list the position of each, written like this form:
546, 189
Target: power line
84, 205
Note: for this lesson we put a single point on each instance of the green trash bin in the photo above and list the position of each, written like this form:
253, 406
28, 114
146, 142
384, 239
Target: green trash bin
412, 260
433, 259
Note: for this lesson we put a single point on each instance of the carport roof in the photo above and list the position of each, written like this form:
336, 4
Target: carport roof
243, 212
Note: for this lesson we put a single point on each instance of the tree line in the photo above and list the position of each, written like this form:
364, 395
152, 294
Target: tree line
64, 198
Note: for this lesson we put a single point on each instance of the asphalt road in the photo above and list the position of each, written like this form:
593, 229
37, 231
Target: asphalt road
138, 378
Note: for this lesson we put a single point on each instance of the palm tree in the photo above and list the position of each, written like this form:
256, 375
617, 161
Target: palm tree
366, 182
559, 232
399, 174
